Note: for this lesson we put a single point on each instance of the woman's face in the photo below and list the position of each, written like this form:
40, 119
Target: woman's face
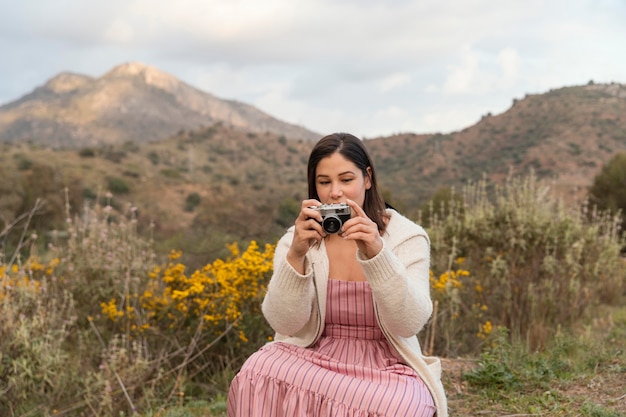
338, 178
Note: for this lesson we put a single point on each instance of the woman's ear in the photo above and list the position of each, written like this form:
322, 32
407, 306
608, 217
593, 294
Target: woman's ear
368, 180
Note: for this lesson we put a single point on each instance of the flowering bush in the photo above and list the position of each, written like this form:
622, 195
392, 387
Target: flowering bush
213, 299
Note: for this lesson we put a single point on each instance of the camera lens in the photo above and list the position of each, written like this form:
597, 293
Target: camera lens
331, 224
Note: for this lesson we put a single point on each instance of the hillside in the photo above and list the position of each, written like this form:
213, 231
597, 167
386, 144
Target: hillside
131, 103
202, 188
565, 135
197, 190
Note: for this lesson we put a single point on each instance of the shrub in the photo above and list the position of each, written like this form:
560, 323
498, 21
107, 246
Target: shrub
287, 212
23, 163
87, 153
192, 201
171, 173
608, 191
153, 156
518, 259
118, 185
113, 155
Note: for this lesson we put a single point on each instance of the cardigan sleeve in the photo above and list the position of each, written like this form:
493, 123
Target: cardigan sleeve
399, 276
288, 303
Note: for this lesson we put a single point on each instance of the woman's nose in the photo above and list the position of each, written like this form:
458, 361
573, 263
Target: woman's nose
336, 191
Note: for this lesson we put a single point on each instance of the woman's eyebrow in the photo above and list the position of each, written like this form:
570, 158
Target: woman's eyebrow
340, 174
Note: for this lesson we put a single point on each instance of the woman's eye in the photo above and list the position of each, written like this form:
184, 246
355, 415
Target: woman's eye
347, 179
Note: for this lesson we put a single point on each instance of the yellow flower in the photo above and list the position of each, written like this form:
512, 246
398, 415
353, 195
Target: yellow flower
216, 295
174, 254
110, 310
485, 330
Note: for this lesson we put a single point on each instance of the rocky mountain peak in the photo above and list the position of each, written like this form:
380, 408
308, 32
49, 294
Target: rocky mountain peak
66, 82
149, 75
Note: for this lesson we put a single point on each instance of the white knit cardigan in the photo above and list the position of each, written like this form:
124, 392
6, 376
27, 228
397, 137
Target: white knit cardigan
295, 304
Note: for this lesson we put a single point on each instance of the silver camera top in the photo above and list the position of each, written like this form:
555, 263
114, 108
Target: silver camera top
337, 208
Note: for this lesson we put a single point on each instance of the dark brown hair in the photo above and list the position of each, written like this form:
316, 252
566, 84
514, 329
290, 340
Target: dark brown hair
353, 149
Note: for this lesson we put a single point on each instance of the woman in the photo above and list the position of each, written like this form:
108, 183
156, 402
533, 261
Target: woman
345, 306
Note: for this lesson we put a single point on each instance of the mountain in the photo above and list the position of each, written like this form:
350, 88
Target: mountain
132, 102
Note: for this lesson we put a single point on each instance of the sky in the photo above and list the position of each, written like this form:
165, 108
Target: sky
371, 68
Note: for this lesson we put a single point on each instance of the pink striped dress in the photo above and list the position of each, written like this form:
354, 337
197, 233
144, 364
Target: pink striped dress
352, 371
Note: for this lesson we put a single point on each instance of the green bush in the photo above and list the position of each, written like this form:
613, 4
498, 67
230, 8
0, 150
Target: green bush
192, 201
118, 185
287, 212
608, 191
153, 156
87, 153
171, 173
23, 163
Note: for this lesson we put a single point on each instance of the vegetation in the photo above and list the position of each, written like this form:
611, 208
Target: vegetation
517, 258
98, 325
608, 191
96, 322
579, 374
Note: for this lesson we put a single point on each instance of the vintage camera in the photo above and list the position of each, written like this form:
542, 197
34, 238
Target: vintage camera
333, 216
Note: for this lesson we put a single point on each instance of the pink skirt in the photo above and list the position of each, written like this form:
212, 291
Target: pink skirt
352, 371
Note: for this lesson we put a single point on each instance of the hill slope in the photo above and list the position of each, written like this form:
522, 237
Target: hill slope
132, 102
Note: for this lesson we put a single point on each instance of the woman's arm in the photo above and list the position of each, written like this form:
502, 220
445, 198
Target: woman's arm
290, 295
400, 281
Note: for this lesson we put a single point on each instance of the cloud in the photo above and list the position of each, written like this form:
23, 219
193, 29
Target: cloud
119, 32
465, 77
509, 62
481, 73
393, 81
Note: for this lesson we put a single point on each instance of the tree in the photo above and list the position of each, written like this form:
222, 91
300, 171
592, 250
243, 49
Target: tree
608, 191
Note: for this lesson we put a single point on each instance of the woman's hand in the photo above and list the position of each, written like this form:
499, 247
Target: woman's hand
363, 230
307, 231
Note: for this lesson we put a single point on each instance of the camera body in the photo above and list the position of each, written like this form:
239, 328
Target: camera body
333, 216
